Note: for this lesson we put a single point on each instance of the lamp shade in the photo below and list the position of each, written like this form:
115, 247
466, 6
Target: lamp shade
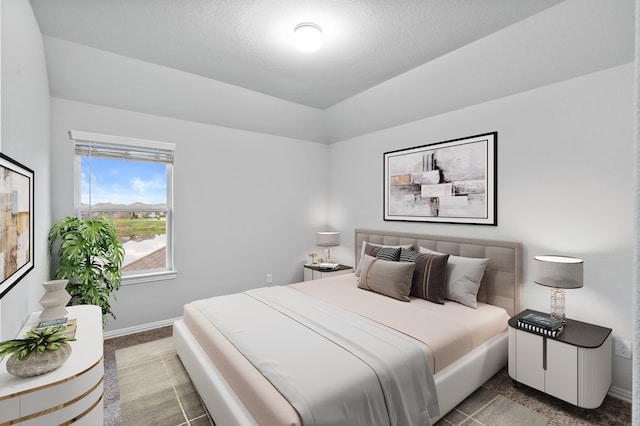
327, 239
558, 271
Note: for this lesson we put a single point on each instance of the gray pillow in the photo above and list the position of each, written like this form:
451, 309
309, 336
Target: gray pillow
392, 279
464, 275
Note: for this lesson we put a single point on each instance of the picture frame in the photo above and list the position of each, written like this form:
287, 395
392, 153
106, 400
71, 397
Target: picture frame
453, 181
16, 222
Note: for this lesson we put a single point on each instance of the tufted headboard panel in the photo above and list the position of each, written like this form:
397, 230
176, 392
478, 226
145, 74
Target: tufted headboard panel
502, 280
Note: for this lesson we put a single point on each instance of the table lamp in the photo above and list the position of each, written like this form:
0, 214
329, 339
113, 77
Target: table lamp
558, 272
327, 240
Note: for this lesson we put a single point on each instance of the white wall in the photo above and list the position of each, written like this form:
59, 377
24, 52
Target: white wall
246, 204
25, 138
565, 185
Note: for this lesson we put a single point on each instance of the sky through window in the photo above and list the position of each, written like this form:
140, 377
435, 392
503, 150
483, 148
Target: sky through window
123, 182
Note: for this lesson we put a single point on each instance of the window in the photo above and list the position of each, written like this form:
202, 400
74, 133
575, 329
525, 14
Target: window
131, 181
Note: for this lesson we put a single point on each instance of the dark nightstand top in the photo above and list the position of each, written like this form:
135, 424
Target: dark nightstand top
318, 268
576, 333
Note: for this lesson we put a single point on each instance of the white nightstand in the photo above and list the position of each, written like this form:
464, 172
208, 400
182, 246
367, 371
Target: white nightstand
576, 366
312, 272
72, 393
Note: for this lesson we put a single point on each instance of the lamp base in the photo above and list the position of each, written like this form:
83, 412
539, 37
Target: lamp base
327, 255
557, 304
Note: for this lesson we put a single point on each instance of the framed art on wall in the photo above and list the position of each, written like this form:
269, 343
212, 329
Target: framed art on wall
453, 181
16, 222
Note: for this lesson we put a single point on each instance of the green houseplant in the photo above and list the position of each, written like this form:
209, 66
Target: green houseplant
90, 258
39, 352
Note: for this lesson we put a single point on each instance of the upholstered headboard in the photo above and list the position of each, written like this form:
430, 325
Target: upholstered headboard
502, 278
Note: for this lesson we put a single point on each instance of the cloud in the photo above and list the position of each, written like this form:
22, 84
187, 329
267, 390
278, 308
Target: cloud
140, 186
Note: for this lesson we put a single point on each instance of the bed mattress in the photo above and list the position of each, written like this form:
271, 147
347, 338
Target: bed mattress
444, 332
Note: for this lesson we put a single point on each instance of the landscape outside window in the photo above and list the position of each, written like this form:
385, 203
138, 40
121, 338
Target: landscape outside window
134, 195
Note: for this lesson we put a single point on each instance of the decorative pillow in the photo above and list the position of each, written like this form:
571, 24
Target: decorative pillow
429, 277
388, 253
392, 279
369, 248
407, 255
464, 275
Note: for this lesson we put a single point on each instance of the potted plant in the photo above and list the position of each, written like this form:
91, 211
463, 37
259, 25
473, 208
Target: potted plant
90, 258
39, 352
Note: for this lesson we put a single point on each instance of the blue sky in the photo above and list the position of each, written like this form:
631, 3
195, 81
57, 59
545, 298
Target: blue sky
123, 182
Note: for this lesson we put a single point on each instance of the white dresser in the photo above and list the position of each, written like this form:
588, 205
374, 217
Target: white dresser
72, 393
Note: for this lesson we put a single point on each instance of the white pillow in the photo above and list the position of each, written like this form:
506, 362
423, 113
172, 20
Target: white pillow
364, 246
463, 278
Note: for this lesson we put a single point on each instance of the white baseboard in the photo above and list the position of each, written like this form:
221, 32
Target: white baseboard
140, 328
620, 393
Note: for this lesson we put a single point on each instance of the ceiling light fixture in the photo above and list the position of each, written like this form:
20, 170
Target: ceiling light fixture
308, 36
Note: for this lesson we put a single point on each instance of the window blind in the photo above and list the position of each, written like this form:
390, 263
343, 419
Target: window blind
117, 147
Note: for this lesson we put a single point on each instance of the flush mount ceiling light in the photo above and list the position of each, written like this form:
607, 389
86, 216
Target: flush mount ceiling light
308, 36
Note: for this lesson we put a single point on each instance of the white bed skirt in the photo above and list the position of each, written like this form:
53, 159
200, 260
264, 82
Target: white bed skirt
454, 383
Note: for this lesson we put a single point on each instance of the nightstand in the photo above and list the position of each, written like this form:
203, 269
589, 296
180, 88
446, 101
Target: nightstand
312, 272
575, 366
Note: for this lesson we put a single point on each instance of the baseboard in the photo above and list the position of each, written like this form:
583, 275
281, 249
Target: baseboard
140, 328
620, 393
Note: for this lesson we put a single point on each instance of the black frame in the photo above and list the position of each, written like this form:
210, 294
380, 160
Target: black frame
10, 213
453, 181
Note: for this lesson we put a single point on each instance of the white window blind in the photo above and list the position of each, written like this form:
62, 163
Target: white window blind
108, 146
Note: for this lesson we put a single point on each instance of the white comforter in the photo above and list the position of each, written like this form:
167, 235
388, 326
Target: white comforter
334, 367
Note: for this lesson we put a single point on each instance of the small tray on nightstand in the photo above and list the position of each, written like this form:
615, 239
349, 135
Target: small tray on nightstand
326, 269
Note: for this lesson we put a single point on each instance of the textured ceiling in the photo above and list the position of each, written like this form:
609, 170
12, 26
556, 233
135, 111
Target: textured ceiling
247, 42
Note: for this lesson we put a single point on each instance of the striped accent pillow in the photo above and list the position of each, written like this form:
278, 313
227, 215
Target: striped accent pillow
429, 277
391, 254
407, 255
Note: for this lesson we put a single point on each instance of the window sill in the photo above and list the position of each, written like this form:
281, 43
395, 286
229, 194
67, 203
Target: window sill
148, 277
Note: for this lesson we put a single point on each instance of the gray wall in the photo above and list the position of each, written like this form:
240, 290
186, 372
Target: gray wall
25, 138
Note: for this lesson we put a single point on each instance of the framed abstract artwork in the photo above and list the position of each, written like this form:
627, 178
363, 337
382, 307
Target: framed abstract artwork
16, 222
453, 181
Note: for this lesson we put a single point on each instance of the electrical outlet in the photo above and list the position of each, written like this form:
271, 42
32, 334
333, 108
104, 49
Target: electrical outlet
622, 348
269, 278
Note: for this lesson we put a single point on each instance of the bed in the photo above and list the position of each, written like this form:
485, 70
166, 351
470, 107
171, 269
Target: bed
236, 393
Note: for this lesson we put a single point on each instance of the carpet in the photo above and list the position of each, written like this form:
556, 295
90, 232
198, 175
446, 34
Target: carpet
155, 388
